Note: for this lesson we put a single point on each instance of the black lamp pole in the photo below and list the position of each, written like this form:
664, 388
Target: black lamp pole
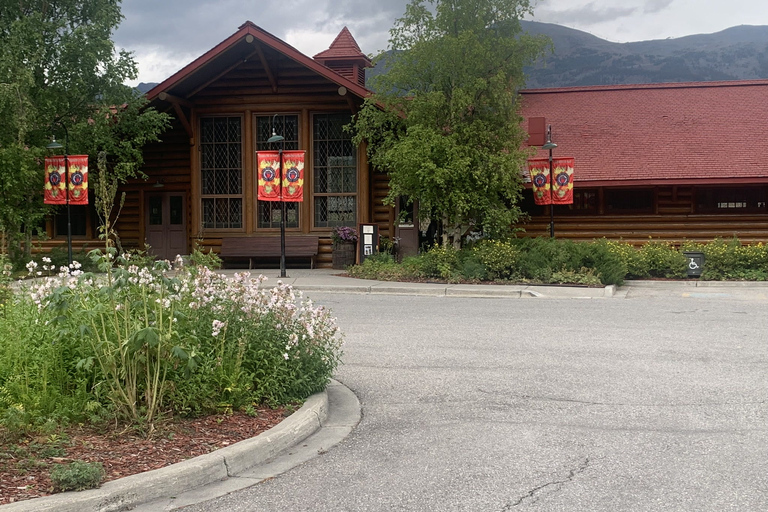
550, 146
281, 139
56, 145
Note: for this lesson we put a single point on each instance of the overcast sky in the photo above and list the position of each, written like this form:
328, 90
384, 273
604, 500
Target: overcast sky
166, 35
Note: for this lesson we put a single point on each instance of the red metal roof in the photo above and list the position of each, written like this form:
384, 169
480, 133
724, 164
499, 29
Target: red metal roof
648, 134
343, 47
246, 29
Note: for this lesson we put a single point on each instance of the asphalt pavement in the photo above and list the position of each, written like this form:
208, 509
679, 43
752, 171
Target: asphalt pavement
410, 371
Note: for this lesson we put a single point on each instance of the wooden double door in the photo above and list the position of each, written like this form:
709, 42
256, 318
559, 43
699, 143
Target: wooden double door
166, 224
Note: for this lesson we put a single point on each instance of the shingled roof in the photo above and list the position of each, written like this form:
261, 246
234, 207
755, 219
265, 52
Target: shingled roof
343, 47
685, 133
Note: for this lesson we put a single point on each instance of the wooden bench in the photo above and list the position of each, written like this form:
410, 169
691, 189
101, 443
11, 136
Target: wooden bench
269, 247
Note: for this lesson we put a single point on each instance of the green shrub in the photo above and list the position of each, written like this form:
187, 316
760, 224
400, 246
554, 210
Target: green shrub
660, 259
77, 476
138, 344
608, 265
498, 257
200, 258
440, 262
729, 259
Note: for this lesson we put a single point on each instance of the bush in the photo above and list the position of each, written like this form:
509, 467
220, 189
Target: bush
140, 344
660, 259
440, 262
498, 257
732, 260
77, 476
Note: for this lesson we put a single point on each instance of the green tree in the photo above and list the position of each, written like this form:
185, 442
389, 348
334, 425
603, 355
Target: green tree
444, 122
61, 74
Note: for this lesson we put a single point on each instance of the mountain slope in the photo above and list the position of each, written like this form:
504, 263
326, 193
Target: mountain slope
579, 58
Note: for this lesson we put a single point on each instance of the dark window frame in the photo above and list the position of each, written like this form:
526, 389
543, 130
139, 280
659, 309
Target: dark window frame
630, 204
210, 153
268, 212
725, 200
324, 163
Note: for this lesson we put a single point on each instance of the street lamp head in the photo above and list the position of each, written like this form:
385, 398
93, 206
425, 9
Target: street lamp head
54, 145
549, 145
275, 138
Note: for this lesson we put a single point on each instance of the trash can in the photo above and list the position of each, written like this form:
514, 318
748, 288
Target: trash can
694, 263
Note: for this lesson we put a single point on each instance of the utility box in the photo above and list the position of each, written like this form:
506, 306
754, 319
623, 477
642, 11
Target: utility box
694, 263
369, 241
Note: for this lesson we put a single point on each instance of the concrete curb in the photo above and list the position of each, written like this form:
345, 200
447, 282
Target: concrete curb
126, 493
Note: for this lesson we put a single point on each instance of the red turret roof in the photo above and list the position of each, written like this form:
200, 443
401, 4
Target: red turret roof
342, 48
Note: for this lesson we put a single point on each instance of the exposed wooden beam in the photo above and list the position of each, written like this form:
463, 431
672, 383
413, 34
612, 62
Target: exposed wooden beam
265, 64
230, 68
184, 122
164, 96
352, 104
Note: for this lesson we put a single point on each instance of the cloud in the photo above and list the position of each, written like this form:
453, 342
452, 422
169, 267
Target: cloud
585, 15
656, 6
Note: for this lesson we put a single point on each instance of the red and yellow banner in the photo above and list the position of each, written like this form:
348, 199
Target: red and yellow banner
78, 179
562, 188
539, 169
268, 166
56, 185
55, 181
293, 177
560, 191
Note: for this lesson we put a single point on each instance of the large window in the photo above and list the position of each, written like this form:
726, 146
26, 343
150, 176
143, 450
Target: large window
584, 201
335, 171
620, 201
221, 172
731, 199
288, 127
78, 217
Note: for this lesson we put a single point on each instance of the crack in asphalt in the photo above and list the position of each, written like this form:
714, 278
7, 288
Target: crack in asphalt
559, 483
616, 404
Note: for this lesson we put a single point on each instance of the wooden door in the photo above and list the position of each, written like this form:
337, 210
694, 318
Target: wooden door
407, 229
166, 233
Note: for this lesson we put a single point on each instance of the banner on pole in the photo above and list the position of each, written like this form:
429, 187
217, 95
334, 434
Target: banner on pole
562, 188
78, 179
268, 165
55, 183
560, 191
293, 177
539, 170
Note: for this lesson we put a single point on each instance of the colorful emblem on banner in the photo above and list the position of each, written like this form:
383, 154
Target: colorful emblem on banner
539, 169
269, 175
78, 179
293, 177
55, 183
562, 191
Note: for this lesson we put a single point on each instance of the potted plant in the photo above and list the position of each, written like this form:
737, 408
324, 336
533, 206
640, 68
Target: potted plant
344, 242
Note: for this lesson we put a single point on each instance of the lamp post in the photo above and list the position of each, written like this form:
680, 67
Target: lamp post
550, 146
279, 138
57, 145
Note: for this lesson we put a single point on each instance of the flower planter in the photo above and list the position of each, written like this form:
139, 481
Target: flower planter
343, 255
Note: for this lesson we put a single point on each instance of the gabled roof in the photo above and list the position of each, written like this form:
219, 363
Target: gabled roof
344, 47
233, 49
703, 132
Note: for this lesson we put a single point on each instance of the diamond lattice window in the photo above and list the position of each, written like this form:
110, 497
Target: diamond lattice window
288, 127
335, 172
221, 172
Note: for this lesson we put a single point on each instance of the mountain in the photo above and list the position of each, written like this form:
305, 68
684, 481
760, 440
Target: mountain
579, 58
143, 87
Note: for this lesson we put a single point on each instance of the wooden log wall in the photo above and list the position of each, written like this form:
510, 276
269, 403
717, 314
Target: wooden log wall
166, 163
674, 222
